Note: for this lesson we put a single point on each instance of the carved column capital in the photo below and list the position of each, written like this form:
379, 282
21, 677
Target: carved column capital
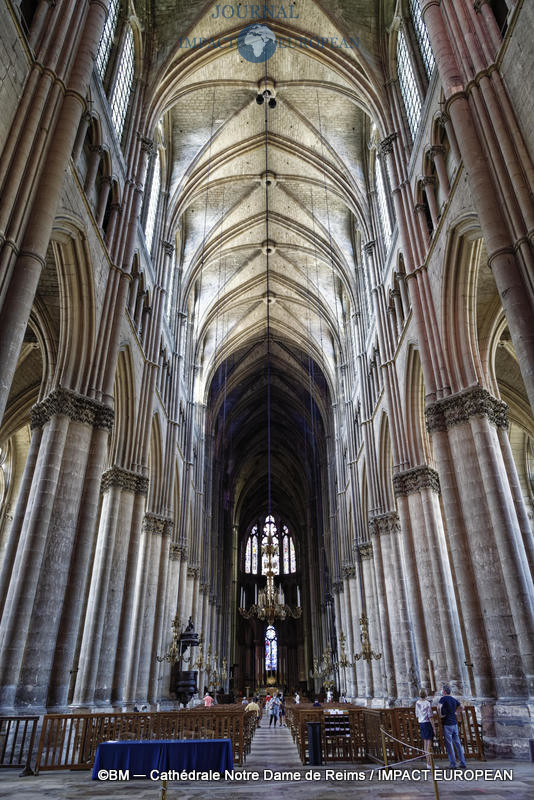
386, 145
383, 524
193, 572
154, 523
348, 570
413, 480
459, 408
125, 480
175, 552
366, 550
147, 146
168, 248
369, 246
76, 407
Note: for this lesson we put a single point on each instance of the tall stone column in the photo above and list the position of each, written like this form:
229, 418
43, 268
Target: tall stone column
182, 588
108, 581
350, 618
159, 529
37, 592
433, 609
144, 570
377, 614
18, 517
385, 528
471, 419
356, 591
171, 596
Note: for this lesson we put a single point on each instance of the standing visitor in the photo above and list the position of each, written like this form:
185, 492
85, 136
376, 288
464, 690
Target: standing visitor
423, 712
274, 710
282, 710
448, 706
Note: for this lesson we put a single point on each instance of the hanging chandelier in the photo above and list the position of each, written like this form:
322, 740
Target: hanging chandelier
270, 603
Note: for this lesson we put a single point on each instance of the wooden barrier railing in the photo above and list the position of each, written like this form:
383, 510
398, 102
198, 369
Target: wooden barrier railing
70, 741
355, 734
17, 738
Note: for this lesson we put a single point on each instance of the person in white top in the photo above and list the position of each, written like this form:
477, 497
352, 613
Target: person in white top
297, 697
425, 718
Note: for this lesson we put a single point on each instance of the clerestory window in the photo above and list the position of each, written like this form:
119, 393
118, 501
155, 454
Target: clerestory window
106, 40
153, 203
122, 88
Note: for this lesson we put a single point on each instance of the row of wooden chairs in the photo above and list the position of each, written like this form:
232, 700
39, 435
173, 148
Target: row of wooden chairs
70, 741
354, 733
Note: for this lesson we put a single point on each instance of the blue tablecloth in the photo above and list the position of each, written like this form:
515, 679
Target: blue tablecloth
164, 755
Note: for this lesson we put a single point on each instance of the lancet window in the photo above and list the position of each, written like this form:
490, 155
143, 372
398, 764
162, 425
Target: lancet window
122, 88
284, 557
106, 40
153, 203
271, 649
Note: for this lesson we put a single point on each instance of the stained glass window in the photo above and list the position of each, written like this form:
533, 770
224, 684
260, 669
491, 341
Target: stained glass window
271, 649
292, 557
106, 40
251, 552
248, 551
383, 210
153, 204
122, 88
421, 34
408, 84
270, 528
254, 553
283, 555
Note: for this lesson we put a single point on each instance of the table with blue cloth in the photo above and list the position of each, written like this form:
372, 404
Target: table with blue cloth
163, 755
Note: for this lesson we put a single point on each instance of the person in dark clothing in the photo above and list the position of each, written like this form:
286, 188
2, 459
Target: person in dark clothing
448, 706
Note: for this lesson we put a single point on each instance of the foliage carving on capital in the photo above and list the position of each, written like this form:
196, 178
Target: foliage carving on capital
147, 146
383, 524
366, 550
125, 480
175, 552
386, 145
459, 408
77, 407
348, 570
153, 523
413, 480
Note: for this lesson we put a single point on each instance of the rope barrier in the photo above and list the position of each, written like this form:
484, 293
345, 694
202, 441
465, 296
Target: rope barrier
411, 746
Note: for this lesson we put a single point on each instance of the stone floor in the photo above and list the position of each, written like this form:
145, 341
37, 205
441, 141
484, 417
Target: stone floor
273, 749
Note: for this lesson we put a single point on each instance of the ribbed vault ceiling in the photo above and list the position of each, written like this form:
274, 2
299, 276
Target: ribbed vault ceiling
314, 157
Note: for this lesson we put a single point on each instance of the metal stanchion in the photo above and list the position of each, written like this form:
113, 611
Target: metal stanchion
384, 747
436, 792
163, 790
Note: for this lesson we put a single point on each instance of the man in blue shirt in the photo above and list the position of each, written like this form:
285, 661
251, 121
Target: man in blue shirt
448, 706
